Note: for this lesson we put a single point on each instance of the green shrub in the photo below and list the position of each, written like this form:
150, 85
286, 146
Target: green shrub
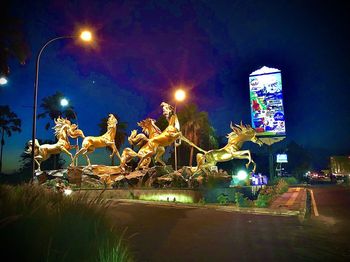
242, 201
269, 193
263, 200
41, 225
291, 180
281, 186
222, 199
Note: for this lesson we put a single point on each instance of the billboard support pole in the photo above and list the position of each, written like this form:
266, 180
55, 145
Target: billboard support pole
271, 169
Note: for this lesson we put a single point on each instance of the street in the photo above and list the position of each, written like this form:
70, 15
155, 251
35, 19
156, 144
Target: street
161, 233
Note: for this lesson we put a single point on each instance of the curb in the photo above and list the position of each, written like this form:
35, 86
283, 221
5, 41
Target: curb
246, 210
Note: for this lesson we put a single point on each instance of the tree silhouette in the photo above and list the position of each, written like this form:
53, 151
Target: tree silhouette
9, 122
12, 40
193, 125
53, 109
120, 135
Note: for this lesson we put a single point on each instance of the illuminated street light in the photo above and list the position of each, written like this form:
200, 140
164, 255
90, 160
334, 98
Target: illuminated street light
64, 102
3, 80
179, 96
86, 37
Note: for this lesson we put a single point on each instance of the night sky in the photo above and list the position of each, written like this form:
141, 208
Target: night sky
144, 49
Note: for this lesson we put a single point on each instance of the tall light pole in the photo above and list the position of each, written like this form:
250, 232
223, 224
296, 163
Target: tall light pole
86, 37
180, 96
65, 102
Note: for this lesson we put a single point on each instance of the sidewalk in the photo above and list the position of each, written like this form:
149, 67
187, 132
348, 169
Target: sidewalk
294, 200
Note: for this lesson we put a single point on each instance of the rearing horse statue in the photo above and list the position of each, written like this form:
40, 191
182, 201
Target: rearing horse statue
90, 143
153, 144
240, 134
63, 129
151, 130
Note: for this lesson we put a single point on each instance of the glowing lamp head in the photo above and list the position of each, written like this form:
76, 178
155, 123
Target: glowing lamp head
180, 95
3, 80
64, 102
86, 36
242, 175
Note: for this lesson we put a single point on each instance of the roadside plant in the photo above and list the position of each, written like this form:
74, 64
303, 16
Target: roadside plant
201, 201
242, 201
222, 199
48, 226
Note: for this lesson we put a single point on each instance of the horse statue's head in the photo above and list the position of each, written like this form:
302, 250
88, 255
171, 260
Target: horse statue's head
112, 121
75, 132
61, 127
168, 110
149, 127
244, 133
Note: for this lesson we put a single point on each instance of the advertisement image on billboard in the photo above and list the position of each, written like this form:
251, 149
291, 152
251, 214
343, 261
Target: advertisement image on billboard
266, 102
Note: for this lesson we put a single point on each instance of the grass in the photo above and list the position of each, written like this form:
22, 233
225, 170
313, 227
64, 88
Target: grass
40, 225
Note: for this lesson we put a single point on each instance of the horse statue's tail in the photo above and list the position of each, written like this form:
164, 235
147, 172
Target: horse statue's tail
137, 139
30, 147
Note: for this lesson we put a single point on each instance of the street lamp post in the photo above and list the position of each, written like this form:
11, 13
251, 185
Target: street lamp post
64, 102
85, 36
180, 96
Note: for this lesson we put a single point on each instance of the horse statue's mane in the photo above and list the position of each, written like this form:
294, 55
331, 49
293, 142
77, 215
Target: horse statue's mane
238, 130
60, 123
145, 124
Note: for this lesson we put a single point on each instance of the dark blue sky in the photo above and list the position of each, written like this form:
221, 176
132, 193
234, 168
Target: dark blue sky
144, 48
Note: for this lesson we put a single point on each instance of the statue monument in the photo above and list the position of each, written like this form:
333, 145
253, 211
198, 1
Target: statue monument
150, 144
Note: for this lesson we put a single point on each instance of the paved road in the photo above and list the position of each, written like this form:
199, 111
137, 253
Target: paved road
160, 233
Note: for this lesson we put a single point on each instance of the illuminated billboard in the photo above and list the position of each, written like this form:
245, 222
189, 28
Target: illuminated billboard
282, 158
266, 102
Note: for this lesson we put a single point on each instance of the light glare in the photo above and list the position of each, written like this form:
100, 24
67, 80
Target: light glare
180, 95
242, 175
86, 36
3, 81
68, 192
64, 102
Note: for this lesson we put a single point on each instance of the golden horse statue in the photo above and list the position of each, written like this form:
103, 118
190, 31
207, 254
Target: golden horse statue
90, 143
153, 145
63, 129
151, 130
240, 134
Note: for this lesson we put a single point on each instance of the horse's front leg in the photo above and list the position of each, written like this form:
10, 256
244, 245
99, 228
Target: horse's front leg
244, 154
63, 149
114, 151
142, 163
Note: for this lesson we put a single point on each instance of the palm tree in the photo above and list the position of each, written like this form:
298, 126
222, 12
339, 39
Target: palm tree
12, 40
53, 109
120, 135
194, 125
9, 122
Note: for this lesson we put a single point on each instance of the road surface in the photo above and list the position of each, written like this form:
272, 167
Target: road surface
161, 233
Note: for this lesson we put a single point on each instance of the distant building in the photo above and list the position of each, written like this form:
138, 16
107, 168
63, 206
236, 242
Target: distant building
340, 165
